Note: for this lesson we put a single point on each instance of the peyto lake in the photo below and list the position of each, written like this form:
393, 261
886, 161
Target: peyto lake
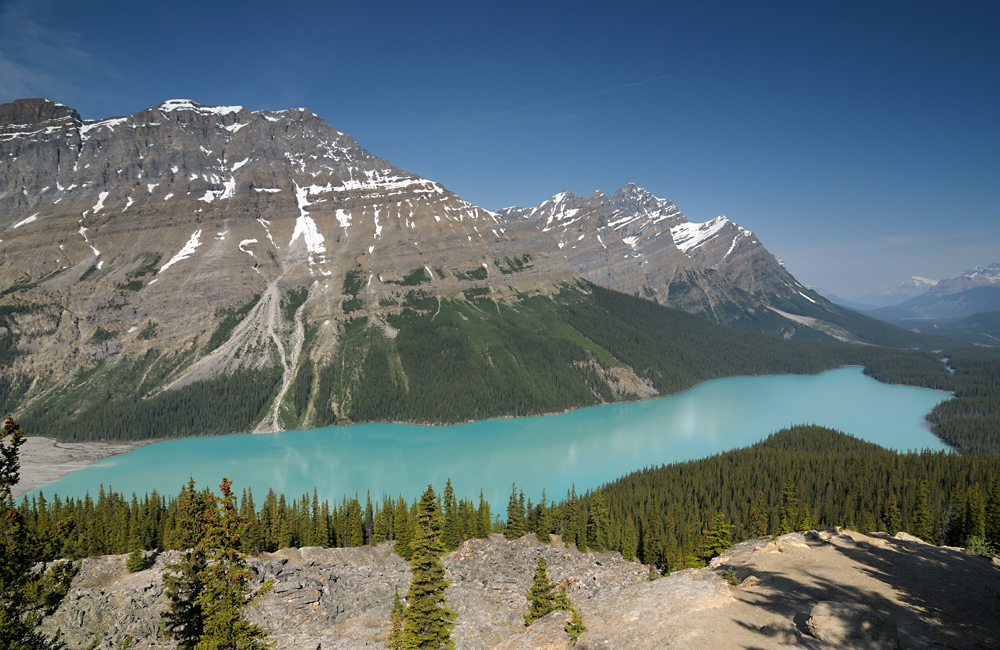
587, 446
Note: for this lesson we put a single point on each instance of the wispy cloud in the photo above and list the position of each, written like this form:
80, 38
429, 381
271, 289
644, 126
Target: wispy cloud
531, 107
38, 60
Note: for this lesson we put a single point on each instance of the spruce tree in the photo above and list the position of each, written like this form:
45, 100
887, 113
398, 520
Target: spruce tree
716, 537
395, 640
630, 540
789, 507
136, 561
921, 525
428, 621
226, 592
452, 534
515, 515
993, 515
541, 600
892, 515
807, 520
26, 595
402, 529
544, 525
600, 522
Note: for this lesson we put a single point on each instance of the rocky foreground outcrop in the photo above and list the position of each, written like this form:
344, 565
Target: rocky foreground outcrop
823, 590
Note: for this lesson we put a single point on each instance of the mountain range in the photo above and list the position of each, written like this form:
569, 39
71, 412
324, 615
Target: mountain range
260, 270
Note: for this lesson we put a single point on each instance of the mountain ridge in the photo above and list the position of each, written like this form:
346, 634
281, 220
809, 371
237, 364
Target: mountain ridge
175, 257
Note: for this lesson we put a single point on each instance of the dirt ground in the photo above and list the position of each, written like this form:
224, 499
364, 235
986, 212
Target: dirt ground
910, 595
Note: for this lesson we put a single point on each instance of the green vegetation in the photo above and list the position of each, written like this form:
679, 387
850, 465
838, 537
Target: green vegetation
131, 409
427, 621
799, 478
148, 332
414, 278
230, 319
209, 589
544, 598
101, 335
478, 273
148, 266
352, 282
480, 358
27, 595
291, 302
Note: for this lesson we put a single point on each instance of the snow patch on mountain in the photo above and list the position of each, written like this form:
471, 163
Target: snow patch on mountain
305, 227
689, 236
189, 248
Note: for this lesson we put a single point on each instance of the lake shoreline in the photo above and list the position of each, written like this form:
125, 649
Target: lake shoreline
44, 460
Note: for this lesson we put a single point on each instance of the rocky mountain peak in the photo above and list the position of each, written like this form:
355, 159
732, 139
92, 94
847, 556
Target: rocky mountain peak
30, 112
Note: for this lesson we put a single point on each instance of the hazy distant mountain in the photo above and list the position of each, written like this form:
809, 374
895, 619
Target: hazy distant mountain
976, 290
886, 296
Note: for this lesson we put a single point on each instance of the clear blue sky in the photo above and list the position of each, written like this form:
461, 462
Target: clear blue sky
859, 140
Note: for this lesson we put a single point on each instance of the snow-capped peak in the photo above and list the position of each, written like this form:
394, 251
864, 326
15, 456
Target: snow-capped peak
188, 105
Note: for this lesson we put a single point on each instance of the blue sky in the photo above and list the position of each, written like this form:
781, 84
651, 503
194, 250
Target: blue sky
859, 141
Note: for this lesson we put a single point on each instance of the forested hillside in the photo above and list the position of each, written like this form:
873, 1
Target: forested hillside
672, 516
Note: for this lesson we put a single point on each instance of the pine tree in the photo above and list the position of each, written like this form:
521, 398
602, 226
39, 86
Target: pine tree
921, 526
26, 595
136, 561
452, 535
630, 540
401, 529
209, 588
993, 515
544, 525
395, 641
807, 520
541, 600
789, 507
428, 621
515, 515
226, 592
600, 522
716, 538
892, 515
183, 620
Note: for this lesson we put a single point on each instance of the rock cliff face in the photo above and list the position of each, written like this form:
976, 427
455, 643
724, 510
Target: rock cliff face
823, 590
636, 243
183, 244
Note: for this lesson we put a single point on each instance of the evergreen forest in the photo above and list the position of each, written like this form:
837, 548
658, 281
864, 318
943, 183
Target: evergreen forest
672, 516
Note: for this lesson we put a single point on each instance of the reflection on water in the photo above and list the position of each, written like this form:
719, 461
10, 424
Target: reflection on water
586, 447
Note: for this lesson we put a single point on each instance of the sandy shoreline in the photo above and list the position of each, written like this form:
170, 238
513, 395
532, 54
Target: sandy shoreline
44, 460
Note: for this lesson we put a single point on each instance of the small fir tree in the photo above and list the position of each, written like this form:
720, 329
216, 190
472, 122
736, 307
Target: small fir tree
427, 623
544, 598
136, 561
541, 600
395, 641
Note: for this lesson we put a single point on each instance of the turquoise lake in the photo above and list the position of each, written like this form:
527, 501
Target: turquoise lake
587, 447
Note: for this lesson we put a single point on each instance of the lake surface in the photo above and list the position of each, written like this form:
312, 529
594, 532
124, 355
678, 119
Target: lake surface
587, 447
